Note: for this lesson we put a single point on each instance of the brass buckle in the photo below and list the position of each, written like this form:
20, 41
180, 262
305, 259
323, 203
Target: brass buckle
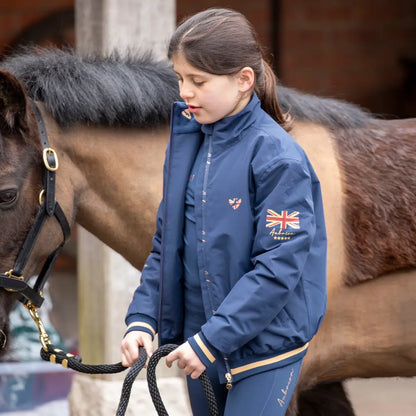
41, 193
12, 276
45, 159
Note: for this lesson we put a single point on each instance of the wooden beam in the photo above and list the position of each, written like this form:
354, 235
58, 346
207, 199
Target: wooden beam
106, 281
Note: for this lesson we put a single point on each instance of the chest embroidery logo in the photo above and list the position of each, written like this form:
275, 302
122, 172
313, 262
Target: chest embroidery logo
283, 221
186, 113
234, 203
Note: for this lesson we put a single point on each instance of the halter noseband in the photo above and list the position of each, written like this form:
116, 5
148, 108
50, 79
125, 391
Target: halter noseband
13, 279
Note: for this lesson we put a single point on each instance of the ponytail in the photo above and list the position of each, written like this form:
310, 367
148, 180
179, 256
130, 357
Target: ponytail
266, 90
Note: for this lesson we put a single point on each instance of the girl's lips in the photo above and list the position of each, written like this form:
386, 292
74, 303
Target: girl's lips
192, 108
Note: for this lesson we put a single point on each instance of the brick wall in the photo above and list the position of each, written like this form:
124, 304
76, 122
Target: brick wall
349, 49
257, 11
17, 16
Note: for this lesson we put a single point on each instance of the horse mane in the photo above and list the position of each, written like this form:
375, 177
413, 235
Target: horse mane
329, 112
136, 90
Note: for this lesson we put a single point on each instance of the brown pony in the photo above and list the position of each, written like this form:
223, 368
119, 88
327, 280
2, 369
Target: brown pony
107, 120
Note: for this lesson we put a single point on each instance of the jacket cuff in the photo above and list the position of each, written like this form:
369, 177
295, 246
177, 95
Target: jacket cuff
202, 348
140, 322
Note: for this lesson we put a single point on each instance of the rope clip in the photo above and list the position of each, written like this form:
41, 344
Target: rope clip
43, 336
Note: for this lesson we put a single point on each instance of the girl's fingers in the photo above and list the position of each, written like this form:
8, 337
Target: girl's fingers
130, 347
126, 360
195, 374
129, 356
171, 357
189, 363
148, 346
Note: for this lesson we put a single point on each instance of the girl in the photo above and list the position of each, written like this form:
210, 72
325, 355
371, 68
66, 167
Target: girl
237, 271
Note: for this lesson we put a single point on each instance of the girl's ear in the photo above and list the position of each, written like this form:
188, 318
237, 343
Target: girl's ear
246, 79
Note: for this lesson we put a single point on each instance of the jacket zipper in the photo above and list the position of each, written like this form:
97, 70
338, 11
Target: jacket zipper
205, 182
203, 210
228, 375
208, 162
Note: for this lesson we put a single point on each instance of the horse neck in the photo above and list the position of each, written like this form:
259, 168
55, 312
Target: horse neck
115, 179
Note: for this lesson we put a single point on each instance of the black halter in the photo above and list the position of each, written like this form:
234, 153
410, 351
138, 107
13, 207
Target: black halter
13, 279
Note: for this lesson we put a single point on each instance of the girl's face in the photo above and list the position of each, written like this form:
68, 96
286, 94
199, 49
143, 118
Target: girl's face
209, 97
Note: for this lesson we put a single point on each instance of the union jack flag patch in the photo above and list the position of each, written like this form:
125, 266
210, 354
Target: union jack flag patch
283, 220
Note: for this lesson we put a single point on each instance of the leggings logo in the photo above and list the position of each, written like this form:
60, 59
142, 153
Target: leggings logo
284, 391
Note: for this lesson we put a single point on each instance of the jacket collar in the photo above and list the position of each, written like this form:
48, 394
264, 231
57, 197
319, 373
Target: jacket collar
224, 131
182, 120
230, 128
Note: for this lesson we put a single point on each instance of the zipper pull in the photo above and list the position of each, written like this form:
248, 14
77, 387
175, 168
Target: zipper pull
228, 375
229, 378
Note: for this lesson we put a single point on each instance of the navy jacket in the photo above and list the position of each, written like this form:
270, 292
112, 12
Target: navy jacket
261, 244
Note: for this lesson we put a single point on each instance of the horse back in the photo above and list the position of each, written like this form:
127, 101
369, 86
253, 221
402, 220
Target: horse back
376, 165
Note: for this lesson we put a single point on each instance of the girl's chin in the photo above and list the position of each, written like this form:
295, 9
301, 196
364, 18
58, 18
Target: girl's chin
205, 119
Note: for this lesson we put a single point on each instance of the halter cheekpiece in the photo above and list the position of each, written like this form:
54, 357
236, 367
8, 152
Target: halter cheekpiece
13, 279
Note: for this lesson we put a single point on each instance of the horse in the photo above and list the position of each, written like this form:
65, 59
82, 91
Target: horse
107, 120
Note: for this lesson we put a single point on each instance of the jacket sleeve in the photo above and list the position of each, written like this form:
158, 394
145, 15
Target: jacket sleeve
143, 311
285, 228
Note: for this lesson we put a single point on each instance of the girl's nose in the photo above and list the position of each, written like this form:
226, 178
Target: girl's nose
185, 92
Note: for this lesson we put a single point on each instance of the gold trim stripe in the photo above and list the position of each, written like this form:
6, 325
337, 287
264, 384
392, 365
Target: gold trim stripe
143, 324
204, 349
273, 360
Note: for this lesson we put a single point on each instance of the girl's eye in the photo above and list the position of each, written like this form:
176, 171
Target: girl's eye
198, 83
7, 197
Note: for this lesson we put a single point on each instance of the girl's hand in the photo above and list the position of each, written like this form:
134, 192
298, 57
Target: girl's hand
130, 347
188, 361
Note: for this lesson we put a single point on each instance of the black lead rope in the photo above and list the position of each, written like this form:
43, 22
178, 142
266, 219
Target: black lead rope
128, 382
74, 362
154, 391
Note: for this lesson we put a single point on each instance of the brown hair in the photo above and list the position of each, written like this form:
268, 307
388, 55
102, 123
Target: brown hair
222, 42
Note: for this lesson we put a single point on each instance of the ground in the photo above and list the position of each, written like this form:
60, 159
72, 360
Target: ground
376, 397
